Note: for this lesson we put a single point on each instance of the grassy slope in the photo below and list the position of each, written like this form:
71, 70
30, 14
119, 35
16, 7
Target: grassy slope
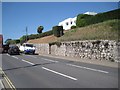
107, 30
46, 39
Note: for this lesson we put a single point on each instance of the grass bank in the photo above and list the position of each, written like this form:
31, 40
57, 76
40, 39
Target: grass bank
108, 30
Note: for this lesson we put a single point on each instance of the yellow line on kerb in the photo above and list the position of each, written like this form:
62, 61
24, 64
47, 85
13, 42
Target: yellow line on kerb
8, 80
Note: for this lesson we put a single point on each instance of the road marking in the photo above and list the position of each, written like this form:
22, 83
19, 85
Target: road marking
28, 62
15, 57
88, 68
8, 54
1, 84
8, 80
59, 73
12, 56
31, 56
49, 60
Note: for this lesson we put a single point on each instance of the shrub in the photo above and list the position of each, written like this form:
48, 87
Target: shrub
35, 36
84, 20
58, 31
17, 41
23, 39
73, 27
81, 20
55, 43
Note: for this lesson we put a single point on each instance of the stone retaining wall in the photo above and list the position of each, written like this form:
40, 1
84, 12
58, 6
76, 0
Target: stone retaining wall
42, 48
92, 49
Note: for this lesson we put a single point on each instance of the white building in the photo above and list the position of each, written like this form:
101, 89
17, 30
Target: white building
90, 13
67, 23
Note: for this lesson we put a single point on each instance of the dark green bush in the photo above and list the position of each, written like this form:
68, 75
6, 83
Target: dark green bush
17, 41
55, 43
57, 31
81, 20
23, 39
73, 27
35, 36
84, 20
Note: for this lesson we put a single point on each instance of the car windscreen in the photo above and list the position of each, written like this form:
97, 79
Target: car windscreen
29, 45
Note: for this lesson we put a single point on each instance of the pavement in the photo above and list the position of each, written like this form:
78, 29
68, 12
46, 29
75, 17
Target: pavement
90, 61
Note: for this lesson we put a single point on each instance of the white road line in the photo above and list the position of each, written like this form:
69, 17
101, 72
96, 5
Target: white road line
88, 68
15, 57
31, 56
49, 60
8, 54
28, 62
12, 56
8, 80
59, 73
1, 84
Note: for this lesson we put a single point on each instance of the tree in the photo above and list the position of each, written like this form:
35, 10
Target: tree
40, 28
8, 41
58, 31
23, 39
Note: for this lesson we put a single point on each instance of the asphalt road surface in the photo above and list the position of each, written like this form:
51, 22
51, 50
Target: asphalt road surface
34, 71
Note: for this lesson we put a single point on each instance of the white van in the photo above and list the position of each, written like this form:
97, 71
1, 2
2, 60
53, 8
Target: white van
27, 48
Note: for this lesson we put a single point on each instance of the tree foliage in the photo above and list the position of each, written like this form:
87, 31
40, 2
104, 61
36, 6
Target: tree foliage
10, 41
39, 29
58, 31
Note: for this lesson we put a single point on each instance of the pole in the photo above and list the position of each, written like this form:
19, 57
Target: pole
26, 33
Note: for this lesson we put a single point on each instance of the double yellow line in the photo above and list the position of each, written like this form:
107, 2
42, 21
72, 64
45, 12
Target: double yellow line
8, 80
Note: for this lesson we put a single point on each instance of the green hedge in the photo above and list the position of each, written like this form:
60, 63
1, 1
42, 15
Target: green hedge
84, 20
57, 31
81, 20
35, 36
73, 27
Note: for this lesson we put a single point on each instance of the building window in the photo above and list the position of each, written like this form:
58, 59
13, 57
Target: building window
66, 23
71, 22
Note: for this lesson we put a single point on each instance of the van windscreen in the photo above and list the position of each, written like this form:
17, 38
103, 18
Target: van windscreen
29, 45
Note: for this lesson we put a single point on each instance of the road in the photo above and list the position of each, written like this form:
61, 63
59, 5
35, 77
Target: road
35, 71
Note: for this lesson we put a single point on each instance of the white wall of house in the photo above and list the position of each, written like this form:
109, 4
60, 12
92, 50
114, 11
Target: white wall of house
67, 23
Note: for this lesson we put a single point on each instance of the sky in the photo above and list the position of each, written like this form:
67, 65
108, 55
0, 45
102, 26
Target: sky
16, 16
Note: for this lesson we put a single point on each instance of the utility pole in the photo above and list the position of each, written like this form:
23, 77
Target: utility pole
26, 33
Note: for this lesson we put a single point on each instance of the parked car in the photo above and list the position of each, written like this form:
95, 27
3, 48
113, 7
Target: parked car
27, 48
5, 48
14, 50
